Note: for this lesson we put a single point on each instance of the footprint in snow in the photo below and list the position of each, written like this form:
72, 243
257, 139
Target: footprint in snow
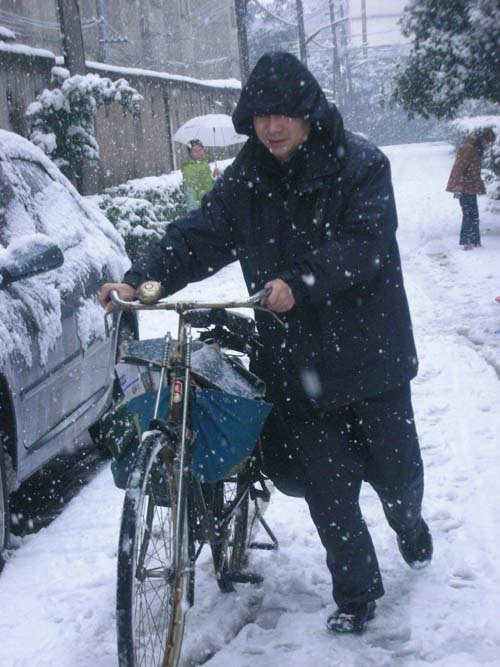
438, 409
462, 577
268, 618
452, 524
394, 635
286, 647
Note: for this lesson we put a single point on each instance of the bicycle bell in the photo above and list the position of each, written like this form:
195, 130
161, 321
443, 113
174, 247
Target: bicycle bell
149, 292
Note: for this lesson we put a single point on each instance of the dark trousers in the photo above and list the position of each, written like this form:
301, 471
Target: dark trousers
469, 232
326, 458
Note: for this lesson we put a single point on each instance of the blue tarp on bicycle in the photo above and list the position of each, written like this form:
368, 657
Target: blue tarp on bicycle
226, 423
226, 428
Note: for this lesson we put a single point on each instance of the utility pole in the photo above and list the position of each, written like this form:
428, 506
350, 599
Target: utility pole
240, 7
72, 38
345, 57
147, 50
364, 30
104, 54
302, 32
337, 75
102, 25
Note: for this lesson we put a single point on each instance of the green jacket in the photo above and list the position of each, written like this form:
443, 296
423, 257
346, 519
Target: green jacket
197, 178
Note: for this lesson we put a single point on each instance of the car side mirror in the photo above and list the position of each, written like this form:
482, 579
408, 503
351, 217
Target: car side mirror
27, 257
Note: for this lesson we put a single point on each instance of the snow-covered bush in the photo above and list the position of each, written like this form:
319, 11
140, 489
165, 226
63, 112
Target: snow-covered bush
461, 128
454, 56
141, 209
61, 120
7, 35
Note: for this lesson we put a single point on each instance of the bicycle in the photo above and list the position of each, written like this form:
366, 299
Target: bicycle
169, 513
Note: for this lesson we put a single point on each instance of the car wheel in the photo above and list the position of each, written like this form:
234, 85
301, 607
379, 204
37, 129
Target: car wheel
4, 508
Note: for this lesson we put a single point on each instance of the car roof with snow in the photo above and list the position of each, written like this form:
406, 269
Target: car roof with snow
37, 199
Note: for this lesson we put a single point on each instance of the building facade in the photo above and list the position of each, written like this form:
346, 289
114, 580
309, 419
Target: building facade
195, 38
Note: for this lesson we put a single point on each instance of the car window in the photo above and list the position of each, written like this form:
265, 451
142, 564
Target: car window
91, 247
34, 176
17, 214
57, 212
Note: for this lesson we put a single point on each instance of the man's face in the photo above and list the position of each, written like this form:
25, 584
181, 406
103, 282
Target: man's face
281, 134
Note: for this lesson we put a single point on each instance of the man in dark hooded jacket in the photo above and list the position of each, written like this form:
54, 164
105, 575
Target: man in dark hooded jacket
308, 210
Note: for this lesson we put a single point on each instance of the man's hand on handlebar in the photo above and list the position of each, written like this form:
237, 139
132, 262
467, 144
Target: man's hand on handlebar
281, 299
125, 292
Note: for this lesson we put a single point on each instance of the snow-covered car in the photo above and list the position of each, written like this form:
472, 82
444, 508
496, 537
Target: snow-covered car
57, 352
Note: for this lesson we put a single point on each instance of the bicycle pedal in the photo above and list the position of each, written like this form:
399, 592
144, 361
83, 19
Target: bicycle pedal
244, 578
266, 546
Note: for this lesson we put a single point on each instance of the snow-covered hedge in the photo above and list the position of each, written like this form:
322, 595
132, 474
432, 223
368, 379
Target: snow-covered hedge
61, 120
141, 209
7, 35
459, 130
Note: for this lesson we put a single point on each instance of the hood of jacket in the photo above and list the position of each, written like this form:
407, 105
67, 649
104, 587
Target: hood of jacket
280, 84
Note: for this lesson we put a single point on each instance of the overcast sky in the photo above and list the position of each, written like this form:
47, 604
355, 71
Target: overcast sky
382, 19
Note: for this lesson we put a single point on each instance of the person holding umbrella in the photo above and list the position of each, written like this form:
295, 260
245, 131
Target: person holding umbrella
308, 210
196, 133
197, 176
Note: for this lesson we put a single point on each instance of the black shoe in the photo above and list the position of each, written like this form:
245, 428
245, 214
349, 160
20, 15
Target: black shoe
416, 548
351, 617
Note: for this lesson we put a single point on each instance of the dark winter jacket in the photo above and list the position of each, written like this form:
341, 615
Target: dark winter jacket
325, 222
465, 176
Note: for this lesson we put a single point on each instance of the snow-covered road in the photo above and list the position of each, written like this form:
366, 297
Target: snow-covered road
57, 590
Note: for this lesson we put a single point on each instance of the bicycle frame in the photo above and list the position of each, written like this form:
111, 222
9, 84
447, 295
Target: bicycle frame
176, 358
197, 512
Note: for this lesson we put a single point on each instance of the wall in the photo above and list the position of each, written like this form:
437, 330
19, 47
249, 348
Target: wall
35, 22
129, 148
188, 37
23, 75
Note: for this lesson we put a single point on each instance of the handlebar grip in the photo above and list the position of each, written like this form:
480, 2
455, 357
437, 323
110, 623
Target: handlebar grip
114, 297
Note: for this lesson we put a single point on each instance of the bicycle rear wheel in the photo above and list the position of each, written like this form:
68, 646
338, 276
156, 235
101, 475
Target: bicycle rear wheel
151, 595
230, 516
238, 540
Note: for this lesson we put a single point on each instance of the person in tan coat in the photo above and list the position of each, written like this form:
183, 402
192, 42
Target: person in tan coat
466, 183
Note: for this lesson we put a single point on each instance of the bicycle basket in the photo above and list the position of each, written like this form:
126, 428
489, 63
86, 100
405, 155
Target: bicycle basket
211, 367
226, 420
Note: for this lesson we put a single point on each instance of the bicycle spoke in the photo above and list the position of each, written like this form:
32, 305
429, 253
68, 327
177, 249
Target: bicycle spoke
151, 595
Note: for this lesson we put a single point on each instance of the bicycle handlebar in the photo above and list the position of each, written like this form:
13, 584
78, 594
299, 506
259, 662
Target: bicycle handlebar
252, 301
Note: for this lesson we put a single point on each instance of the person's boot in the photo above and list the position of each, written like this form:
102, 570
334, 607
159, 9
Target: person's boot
416, 547
351, 617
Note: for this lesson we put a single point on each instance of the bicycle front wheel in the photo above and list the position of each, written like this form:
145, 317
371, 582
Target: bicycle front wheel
151, 589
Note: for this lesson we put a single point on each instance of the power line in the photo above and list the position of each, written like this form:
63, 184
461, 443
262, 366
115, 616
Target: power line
30, 28
275, 16
18, 18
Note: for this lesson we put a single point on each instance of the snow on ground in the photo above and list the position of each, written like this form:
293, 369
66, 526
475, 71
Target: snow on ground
57, 590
